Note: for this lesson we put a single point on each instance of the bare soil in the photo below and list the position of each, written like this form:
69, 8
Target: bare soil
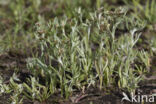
15, 61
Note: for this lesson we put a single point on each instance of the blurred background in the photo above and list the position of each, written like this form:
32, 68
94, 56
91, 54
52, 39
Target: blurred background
18, 17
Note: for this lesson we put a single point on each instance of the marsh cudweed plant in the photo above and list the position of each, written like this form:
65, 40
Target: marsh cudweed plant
89, 52
75, 48
78, 52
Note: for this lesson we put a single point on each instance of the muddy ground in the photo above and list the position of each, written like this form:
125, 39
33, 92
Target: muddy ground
17, 60
14, 61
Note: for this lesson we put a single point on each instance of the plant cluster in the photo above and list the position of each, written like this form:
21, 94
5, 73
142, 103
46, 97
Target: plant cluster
76, 49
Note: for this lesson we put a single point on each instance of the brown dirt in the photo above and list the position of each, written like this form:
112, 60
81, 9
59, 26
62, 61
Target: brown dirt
17, 60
